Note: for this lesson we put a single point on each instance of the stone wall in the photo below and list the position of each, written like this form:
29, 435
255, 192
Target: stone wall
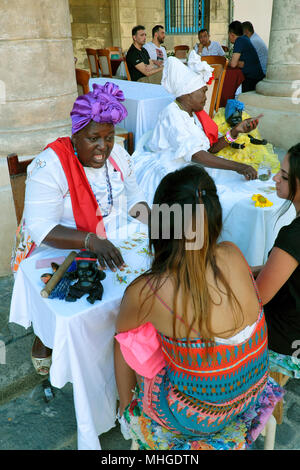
219, 20
91, 27
38, 83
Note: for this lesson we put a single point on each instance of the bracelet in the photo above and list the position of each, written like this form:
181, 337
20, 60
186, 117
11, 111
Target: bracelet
228, 137
86, 240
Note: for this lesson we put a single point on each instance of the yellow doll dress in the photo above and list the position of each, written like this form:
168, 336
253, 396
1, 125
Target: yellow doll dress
252, 154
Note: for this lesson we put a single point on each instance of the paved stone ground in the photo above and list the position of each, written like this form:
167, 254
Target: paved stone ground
28, 422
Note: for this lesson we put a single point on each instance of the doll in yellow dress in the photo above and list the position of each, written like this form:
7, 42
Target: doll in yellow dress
252, 150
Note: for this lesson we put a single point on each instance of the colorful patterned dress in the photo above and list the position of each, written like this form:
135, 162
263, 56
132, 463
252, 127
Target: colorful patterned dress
218, 396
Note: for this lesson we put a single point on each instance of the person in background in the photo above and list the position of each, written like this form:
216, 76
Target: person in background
206, 46
258, 43
155, 49
278, 281
138, 60
180, 135
244, 57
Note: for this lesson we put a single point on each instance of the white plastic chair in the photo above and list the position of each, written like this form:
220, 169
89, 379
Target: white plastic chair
269, 433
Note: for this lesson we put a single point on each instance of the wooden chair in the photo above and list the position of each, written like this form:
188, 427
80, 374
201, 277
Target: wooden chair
181, 51
115, 50
128, 138
17, 173
215, 89
118, 50
126, 70
104, 62
214, 59
82, 80
93, 62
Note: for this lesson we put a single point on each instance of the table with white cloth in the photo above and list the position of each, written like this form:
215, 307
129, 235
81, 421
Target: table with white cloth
80, 334
252, 229
143, 101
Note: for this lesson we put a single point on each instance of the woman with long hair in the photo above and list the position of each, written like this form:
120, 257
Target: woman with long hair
192, 338
279, 279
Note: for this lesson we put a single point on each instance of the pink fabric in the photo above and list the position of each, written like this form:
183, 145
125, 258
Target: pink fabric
141, 350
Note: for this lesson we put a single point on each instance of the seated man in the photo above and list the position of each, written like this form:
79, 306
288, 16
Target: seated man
258, 43
138, 60
206, 46
244, 57
155, 49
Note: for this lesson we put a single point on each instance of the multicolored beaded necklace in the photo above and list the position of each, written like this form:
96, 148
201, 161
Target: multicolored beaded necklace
110, 201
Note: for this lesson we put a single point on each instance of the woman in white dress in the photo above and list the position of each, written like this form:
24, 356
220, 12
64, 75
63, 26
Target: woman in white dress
81, 191
180, 136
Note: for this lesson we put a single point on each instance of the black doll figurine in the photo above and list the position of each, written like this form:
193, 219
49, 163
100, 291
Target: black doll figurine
89, 278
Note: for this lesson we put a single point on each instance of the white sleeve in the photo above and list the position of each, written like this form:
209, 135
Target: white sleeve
133, 191
46, 186
221, 50
149, 49
177, 131
165, 53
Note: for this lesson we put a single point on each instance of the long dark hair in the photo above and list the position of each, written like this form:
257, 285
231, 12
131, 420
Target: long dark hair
293, 177
191, 186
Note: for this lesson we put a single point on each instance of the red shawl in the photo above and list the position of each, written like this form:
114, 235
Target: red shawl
85, 207
209, 126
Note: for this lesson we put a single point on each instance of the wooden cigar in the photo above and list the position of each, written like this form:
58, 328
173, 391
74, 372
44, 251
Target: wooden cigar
58, 275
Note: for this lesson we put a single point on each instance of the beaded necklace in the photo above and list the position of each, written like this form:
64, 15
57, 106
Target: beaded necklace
110, 201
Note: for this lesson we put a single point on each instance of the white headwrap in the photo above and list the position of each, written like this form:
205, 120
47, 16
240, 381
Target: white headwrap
200, 66
179, 79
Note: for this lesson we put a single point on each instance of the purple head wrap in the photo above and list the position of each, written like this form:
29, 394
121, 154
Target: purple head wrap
100, 105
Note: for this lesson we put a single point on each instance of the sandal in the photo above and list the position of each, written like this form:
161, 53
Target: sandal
41, 364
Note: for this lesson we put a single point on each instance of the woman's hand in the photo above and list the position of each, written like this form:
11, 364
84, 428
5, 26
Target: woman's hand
248, 171
245, 126
107, 253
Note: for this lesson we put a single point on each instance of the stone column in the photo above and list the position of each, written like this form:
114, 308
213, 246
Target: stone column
123, 18
278, 95
37, 91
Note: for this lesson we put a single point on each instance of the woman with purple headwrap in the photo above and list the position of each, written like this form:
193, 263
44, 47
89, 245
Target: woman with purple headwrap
81, 191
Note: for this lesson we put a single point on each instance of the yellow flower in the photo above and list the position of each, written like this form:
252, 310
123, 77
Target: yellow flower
261, 201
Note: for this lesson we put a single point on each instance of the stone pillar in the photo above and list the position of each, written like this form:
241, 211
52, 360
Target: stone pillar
278, 95
37, 91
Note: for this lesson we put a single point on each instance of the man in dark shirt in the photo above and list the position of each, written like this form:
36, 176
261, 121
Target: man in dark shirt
245, 57
138, 60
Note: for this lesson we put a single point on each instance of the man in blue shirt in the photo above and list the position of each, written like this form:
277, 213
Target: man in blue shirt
258, 43
245, 57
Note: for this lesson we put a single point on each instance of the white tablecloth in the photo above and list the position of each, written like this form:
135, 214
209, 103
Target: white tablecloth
252, 229
80, 334
143, 101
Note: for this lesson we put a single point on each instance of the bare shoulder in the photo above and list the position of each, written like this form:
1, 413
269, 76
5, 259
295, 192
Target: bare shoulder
232, 256
133, 305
